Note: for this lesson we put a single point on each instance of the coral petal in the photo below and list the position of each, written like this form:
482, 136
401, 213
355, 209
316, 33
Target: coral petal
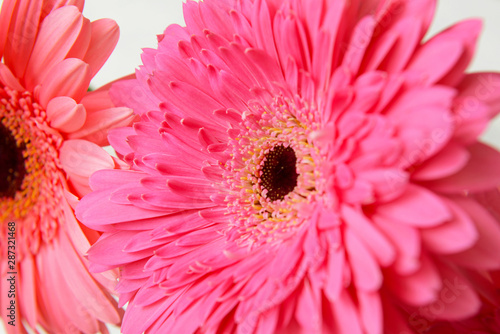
105, 33
65, 115
8, 79
71, 77
58, 33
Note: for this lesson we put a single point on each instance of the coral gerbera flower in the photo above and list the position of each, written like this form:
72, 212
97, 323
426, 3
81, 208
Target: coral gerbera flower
50, 129
301, 167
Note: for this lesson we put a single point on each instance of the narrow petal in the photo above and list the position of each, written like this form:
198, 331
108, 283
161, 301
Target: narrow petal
105, 33
466, 32
29, 304
8, 79
58, 33
346, 315
407, 242
367, 275
427, 61
370, 309
376, 242
6, 16
23, 31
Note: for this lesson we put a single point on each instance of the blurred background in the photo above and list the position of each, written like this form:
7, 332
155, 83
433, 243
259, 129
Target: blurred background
141, 20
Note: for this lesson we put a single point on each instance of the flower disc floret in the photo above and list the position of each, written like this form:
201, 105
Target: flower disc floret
39, 188
277, 135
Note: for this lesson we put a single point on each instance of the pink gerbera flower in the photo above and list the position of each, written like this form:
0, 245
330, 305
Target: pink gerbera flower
50, 129
301, 167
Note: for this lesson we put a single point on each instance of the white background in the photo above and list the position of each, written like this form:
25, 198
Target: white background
141, 20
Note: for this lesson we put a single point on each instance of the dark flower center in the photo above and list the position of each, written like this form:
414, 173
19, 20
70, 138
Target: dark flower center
279, 174
12, 168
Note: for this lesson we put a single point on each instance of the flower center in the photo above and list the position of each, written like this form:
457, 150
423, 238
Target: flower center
279, 174
272, 173
12, 169
32, 182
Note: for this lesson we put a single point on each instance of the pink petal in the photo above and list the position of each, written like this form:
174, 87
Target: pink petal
484, 87
28, 284
370, 309
387, 183
427, 60
484, 255
367, 275
358, 44
481, 172
375, 241
416, 207
105, 33
424, 122
88, 293
79, 159
83, 158
449, 160
268, 321
8, 79
58, 33
395, 321
109, 250
346, 315
23, 31
457, 299
135, 96
117, 139
51, 5
61, 301
334, 283
65, 115
113, 178
308, 313
419, 288
6, 16
81, 44
456, 235
407, 241
467, 32
397, 45
98, 123
71, 77
423, 10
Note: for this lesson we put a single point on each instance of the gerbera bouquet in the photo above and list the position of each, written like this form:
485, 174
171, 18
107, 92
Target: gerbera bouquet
299, 166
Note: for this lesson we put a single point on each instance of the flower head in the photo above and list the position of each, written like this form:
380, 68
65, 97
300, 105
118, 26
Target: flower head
300, 166
50, 129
